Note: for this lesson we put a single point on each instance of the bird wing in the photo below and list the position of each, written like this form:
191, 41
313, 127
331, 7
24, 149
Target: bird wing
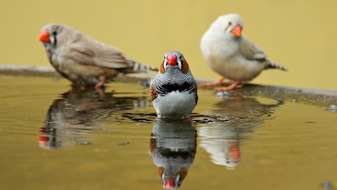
92, 52
250, 51
195, 90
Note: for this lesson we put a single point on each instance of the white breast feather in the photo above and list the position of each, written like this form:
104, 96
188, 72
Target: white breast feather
175, 104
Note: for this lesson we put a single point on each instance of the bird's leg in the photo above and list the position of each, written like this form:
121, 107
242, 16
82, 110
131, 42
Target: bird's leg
230, 87
100, 86
215, 83
100, 83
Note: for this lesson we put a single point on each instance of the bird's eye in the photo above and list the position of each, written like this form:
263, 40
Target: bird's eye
230, 23
181, 57
54, 33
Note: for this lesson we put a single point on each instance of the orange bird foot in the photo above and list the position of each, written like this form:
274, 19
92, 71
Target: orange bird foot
218, 82
230, 87
99, 85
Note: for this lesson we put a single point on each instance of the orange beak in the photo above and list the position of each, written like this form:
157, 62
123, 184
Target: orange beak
236, 31
172, 60
44, 36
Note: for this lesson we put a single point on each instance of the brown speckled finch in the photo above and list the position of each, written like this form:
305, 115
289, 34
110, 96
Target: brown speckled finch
230, 54
174, 90
83, 60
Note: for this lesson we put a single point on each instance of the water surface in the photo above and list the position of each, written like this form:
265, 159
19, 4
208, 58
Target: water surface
55, 137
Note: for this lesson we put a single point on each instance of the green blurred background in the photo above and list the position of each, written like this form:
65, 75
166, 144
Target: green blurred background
299, 34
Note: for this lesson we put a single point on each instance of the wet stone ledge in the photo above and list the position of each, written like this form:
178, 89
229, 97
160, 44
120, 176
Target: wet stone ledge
281, 93
16, 70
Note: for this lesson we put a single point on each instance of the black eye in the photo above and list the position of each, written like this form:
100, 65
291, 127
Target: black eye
180, 57
230, 23
54, 33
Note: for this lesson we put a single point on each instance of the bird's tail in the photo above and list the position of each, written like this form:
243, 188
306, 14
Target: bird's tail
273, 65
137, 67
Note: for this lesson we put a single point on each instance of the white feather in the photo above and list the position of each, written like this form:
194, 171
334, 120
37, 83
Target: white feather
174, 104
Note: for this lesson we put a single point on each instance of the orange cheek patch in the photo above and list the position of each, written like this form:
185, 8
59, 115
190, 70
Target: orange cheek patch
183, 173
162, 70
185, 67
160, 171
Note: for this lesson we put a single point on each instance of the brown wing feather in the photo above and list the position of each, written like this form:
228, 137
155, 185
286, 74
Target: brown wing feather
96, 55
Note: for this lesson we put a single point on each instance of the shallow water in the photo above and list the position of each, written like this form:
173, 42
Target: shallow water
53, 137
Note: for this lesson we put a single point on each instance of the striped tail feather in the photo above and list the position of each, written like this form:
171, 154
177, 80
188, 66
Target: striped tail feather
273, 65
137, 67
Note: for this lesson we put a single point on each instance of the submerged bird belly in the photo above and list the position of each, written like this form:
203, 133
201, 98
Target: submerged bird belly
175, 104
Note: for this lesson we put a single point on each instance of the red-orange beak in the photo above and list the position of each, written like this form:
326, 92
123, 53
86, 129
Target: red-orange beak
172, 60
236, 31
44, 36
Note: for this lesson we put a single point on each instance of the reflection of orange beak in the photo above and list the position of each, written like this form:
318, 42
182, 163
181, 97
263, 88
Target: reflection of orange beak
236, 31
43, 140
169, 184
235, 151
44, 36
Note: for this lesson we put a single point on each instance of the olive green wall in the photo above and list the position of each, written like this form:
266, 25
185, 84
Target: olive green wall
299, 34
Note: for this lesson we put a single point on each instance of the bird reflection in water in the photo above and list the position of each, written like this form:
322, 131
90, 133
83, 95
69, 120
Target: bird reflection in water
79, 110
173, 148
235, 118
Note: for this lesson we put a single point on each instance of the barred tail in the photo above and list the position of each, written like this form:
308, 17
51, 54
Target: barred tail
137, 67
273, 65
